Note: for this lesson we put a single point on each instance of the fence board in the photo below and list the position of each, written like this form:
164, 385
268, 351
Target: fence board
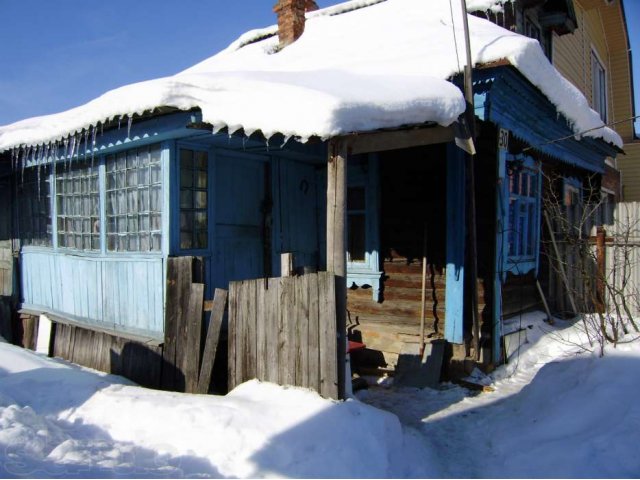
284, 330
271, 321
193, 327
211, 342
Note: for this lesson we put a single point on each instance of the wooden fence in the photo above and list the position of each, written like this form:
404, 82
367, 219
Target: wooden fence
614, 259
283, 330
622, 255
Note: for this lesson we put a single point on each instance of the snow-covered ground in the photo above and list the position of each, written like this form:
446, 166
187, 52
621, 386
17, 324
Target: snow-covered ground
556, 411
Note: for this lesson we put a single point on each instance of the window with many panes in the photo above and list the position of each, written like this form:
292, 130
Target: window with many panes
34, 206
78, 206
134, 200
194, 181
598, 86
524, 205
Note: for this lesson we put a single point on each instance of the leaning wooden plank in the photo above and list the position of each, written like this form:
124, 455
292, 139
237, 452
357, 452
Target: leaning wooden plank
213, 337
193, 325
231, 334
328, 335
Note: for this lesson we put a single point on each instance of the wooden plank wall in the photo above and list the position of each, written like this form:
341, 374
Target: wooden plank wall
126, 292
107, 353
283, 330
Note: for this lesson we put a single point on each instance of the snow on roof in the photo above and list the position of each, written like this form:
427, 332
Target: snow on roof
359, 66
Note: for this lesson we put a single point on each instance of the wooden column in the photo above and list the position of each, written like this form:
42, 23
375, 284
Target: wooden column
337, 245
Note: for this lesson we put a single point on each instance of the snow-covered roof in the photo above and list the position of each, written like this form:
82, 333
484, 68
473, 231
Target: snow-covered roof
359, 66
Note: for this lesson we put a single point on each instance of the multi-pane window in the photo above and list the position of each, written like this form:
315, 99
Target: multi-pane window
134, 200
34, 206
194, 181
356, 223
523, 230
599, 86
78, 206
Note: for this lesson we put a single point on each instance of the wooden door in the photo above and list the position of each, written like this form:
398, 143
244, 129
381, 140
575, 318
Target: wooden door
239, 219
298, 211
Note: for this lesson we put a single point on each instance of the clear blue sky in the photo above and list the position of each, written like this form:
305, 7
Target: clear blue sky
58, 54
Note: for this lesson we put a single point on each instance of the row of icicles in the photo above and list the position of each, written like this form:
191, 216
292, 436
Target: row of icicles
79, 145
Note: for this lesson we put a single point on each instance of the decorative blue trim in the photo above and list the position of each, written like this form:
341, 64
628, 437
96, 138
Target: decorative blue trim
515, 104
454, 293
368, 272
501, 246
522, 264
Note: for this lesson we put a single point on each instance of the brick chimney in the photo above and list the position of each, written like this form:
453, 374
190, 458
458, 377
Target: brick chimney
291, 19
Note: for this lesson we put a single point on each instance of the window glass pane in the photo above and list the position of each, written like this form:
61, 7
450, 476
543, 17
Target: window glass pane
193, 199
34, 206
134, 198
356, 198
78, 203
522, 228
356, 236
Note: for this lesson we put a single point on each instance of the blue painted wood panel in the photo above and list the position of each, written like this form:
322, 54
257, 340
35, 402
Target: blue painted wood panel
120, 293
239, 192
298, 211
454, 294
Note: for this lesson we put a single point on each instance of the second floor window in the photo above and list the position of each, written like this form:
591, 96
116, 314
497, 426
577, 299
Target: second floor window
599, 86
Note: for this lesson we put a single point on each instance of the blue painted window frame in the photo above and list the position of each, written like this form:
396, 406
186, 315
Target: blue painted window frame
175, 247
367, 272
522, 197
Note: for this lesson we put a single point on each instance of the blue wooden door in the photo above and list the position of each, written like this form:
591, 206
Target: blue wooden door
298, 212
239, 225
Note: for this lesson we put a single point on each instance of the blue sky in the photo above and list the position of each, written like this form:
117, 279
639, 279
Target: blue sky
55, 55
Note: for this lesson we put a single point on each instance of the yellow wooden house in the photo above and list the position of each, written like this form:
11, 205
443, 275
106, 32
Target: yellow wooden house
596, 58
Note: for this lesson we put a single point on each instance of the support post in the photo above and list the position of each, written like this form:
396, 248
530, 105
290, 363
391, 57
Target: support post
337, 245
454, 295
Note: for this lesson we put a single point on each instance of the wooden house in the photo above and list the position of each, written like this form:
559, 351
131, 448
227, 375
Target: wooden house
596, 58
100, 213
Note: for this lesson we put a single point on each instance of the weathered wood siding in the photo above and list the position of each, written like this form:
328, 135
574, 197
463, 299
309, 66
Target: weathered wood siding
139, 362
284, 330
120, 293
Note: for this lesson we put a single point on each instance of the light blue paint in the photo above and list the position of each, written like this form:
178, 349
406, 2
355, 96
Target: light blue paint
454, 293
500, 245
102, 291
367, 272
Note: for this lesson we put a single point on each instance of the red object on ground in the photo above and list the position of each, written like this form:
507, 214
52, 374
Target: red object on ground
355, 346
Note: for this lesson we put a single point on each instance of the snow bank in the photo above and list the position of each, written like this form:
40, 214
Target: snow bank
558, 411
354, 69
64, 421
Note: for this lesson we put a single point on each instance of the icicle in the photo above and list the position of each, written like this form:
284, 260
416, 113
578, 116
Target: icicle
65, 143
85, 134
244, 143
119, 121
93, 143
129, 123
284, 142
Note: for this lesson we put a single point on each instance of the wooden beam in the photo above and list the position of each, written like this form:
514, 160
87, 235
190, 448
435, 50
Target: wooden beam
337, 246
383, 141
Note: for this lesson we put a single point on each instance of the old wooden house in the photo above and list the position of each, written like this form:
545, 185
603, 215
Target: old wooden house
348, 162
